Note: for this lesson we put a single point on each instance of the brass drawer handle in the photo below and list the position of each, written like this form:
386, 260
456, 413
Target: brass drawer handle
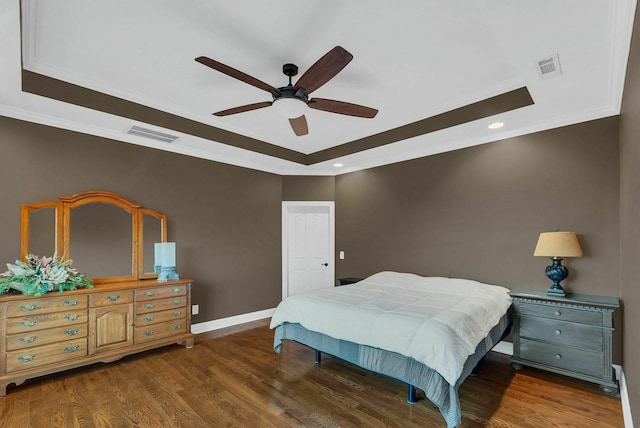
148, 333
71, 302
70, 349
28, 323
558, 357
176, 327
148, 319
27, 339
176, 290
71, 332
28, 308
72, 317
177, 301
558, 332
113, 298
149, 293
149, 306
26, 358
176, 313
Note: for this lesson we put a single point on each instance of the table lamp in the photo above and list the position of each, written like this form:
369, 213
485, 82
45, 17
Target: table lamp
557, 245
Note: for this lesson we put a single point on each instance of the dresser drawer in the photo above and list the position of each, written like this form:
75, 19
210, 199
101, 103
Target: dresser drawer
559, 313
33, 323
581, 336
160, 304
160, 292
160, 331
47, 354
577, 360
44, 337
111, 298
162, 316
21, 308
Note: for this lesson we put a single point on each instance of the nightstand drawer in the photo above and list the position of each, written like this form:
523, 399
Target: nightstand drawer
577, 360
581, 336
557, 312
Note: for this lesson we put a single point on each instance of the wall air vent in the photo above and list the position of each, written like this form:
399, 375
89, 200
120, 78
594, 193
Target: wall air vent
549, 67
151, 134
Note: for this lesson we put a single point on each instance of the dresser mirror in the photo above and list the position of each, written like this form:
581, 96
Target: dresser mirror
153, 228
39, 228
109, 237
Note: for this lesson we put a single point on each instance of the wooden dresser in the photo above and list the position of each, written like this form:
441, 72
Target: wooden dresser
568, 335
60, 331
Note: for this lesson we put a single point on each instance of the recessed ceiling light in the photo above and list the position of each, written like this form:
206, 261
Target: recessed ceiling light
337, 165
496, 125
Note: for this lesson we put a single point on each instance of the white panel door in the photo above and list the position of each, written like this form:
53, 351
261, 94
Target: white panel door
309, 248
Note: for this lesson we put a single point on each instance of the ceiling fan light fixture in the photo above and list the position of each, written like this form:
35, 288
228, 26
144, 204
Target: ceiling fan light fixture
289, 108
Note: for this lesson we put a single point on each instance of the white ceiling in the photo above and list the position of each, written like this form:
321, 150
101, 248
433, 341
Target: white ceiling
412, 60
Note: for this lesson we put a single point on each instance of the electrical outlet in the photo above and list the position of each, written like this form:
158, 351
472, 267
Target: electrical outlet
341, 255
195, 309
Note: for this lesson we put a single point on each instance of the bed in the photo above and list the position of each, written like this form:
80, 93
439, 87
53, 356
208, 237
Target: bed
429, 332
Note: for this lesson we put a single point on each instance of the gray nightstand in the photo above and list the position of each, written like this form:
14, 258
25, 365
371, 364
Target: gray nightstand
568, 335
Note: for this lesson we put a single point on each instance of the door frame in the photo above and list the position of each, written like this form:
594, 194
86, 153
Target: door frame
298, 205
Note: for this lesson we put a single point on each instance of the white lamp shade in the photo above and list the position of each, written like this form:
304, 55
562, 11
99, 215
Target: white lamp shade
558, 244
157, 254
165, 252
289, 108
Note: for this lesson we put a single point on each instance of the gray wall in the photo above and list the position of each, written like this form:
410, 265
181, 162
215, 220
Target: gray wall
477, 213
225, 220
630, 220
308, 188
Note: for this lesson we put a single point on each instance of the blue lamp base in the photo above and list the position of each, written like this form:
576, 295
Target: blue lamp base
556, 273
168, 274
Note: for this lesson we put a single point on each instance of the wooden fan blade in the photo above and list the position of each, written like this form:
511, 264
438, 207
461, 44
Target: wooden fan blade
324, 69
342, 107
299, 125
236, 74
242, 109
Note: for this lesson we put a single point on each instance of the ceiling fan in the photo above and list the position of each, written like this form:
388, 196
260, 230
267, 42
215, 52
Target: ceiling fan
292, 99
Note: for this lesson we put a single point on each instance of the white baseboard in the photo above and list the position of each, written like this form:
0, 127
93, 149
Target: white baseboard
507, 349
204, 327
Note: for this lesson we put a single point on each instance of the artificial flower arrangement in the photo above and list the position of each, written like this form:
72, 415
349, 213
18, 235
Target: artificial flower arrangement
39, 275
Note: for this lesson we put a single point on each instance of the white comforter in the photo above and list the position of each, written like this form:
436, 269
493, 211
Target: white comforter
437, 321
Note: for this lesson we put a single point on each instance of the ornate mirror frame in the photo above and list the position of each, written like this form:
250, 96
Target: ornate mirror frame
62, 233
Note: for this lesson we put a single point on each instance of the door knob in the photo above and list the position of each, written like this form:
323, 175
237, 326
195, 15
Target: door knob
325, 264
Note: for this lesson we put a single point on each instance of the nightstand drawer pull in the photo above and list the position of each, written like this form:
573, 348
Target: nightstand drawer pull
28, 323
113, 298
558, 313
176, 290
28, 308
148, 319
177, 301
27, 339
558, 357
72, 317
71, 302
149, 293
71, 332
176, 327
149, 306
558, 332
148, 333
26, 358
70, 349
176, 313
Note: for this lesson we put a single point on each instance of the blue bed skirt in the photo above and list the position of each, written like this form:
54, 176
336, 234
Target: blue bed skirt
397, 366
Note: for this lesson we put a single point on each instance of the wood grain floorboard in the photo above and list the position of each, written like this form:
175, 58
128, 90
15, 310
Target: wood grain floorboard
233, 378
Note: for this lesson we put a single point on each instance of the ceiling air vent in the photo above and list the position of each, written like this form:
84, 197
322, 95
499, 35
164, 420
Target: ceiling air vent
151, 134
549, 67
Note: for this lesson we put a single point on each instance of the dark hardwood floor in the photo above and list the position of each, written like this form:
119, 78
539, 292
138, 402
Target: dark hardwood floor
234, 378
